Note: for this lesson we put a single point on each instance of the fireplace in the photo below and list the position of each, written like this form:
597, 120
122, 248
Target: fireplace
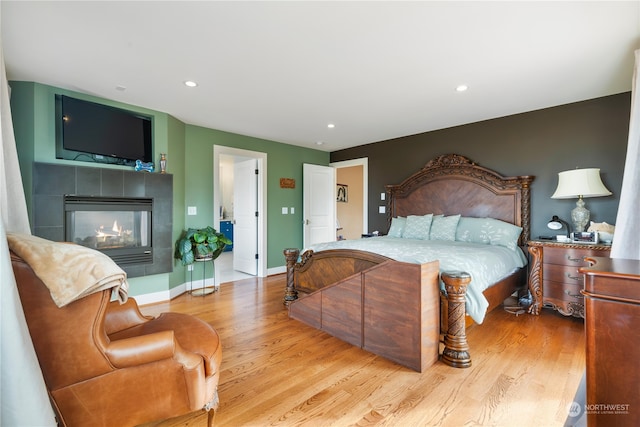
120, 227
53, 182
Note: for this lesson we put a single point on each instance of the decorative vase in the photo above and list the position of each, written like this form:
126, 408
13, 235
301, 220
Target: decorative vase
163, 163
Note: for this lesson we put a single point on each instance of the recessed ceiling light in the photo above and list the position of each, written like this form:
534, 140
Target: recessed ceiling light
319, 143
121, 88
462, 88
331, 125
190, 83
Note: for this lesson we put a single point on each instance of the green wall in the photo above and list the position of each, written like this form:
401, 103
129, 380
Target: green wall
283, 161
189, 152
176, 167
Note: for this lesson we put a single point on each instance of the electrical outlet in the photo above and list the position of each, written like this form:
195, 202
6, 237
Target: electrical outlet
292, 210
190, 267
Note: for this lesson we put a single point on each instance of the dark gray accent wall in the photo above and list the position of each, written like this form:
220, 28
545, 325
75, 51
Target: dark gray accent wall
585, 134
52, 181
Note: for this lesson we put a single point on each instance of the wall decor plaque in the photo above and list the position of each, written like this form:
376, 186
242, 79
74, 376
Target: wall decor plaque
287, 183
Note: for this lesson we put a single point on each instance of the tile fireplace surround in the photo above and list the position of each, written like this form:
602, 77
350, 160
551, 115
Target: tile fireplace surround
52, 181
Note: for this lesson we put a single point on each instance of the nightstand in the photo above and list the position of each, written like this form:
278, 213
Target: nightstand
554, 279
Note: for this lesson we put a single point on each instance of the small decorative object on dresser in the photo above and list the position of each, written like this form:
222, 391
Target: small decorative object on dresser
143, 167
554, 280
163, 163
605, 231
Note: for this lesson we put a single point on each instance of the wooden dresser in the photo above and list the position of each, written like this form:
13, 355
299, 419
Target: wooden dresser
612, 326
554, 280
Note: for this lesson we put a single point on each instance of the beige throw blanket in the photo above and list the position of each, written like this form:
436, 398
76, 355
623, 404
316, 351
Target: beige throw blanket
70, 271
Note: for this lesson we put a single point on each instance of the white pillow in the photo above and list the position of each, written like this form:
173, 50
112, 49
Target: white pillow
417, 227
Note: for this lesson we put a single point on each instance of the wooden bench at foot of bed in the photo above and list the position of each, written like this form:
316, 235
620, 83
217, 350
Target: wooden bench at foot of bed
387, 307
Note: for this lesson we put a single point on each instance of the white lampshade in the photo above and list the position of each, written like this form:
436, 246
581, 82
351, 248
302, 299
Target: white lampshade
580, 183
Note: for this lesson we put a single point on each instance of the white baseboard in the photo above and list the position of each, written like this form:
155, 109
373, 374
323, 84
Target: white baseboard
163, 296
276, 270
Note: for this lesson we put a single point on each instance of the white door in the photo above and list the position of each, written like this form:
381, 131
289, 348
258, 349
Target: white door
245, 216
319, 212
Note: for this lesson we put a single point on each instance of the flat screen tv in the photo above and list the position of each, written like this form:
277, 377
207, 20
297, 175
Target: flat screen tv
91, 132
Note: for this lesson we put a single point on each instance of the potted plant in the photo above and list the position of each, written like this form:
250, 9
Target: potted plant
200, 243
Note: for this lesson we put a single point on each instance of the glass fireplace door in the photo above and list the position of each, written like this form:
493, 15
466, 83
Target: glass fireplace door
119, 227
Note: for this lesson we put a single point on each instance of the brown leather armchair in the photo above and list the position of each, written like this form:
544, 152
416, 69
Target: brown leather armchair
106, 364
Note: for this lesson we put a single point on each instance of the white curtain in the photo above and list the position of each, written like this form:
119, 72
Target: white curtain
23, 395
626, 242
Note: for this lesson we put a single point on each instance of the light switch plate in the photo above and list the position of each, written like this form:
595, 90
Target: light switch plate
285, 211
382, 209
192, 210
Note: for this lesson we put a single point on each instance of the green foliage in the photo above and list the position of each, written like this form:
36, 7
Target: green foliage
199, 243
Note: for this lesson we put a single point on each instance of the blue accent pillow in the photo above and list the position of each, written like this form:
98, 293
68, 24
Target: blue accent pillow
472, 230
397, 226
444, 227
417, 227
489, 231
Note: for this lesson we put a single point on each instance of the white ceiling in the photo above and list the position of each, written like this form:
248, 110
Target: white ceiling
282, 71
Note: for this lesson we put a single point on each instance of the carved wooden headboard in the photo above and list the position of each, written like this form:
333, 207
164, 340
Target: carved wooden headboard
452, 184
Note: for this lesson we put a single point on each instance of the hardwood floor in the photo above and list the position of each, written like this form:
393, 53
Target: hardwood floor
280, 372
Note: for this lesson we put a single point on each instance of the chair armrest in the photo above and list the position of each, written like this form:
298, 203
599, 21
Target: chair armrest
149, 348
119, 317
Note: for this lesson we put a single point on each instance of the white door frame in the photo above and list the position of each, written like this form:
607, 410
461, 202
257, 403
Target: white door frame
364, 162
262, 197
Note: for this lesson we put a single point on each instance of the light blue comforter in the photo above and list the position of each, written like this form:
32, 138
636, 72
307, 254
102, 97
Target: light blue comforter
486, 264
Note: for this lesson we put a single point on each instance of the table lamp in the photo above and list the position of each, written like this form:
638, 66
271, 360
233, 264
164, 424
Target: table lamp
557, 223
580, 183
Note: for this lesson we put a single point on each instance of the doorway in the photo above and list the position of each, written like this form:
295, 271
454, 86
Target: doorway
224, 159
352, 215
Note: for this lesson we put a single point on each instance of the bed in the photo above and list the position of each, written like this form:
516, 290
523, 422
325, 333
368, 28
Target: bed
403, 306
